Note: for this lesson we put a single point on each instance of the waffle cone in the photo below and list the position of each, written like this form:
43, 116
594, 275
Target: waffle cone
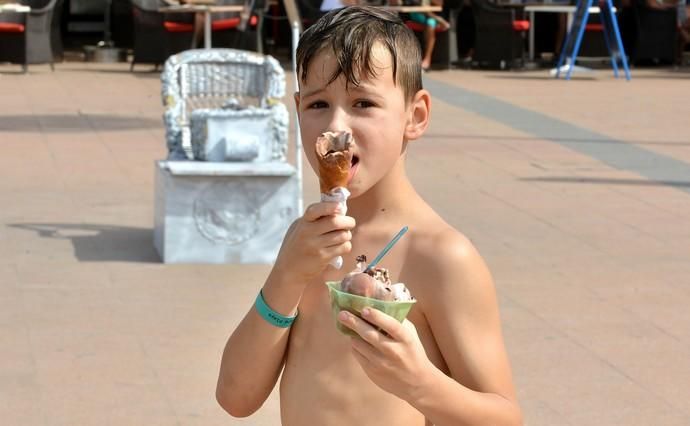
334, 152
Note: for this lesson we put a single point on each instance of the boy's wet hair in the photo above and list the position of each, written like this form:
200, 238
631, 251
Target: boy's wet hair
351, 33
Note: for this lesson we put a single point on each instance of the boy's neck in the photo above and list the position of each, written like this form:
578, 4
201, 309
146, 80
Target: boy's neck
390, 195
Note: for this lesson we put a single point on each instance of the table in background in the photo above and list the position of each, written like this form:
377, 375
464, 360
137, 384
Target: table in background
14, 8
412, 9
550, 8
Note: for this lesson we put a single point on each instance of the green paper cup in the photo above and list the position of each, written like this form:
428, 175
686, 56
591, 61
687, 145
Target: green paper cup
341, 300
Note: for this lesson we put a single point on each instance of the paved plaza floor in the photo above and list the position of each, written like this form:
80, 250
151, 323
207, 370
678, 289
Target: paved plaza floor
577, 194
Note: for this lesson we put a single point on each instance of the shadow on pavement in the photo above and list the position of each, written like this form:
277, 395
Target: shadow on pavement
78, 122
100, 243
432, 135
609, 181
141, 71
678, 75
544, 77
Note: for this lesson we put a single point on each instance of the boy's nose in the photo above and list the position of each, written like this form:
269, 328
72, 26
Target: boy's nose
339, 122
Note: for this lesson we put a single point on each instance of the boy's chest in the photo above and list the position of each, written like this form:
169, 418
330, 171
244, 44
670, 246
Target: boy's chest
317, 331
321, 370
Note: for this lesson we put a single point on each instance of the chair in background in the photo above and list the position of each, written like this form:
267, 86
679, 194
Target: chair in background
122, 23
56, 32
219, 82
593, 43
309, 11
25, 38
158, 35
500, 36
655, 34
239, 30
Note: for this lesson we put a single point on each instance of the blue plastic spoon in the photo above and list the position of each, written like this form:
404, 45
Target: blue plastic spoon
386, 249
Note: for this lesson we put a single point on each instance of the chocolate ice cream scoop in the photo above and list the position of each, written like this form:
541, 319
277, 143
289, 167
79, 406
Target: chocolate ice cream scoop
365, 285
368, 288
360, 284
373, 283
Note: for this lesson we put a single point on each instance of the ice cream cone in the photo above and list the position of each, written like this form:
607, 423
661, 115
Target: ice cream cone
334, 151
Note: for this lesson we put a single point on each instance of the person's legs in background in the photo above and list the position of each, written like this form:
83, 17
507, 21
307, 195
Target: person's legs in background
561, 31
429, 36
683, 29
198, 30
465, 33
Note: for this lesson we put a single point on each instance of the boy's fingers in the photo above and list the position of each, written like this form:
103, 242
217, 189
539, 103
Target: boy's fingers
365, 329
336, 250
385, 322
318, 210
335, 238
333, 223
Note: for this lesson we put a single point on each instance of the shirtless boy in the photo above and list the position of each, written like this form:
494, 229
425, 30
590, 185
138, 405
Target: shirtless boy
359, 71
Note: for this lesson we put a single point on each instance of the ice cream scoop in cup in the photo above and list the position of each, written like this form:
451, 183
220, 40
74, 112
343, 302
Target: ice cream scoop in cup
371, 287
342, 301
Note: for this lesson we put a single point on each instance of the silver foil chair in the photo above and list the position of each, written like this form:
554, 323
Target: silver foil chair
222, 83
236, 198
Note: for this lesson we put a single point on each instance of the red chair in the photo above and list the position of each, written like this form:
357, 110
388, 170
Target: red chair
157, 35
230, 31
500, 36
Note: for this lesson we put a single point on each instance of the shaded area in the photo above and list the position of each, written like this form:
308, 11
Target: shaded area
143, 71
655, 74
555, 139
11, 71
607, 181
100, 243
678, 76
78, 122
518, 76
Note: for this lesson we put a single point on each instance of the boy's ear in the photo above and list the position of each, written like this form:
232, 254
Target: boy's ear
418, 119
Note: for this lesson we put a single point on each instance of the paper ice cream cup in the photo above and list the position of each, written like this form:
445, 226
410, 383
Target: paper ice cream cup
342, 301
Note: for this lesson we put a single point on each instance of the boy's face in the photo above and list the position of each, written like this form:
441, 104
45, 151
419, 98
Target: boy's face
375, 112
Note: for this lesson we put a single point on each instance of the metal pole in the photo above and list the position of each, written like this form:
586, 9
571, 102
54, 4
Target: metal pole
207, 28
107, 34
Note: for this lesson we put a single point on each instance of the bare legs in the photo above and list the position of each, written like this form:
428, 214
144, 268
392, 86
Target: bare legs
198, 30
429, 41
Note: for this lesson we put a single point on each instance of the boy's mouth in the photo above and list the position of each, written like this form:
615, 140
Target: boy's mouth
353, 168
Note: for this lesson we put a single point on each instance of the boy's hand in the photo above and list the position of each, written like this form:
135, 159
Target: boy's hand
312, 241
396, 362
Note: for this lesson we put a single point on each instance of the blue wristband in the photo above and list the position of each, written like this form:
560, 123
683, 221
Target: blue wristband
271, 316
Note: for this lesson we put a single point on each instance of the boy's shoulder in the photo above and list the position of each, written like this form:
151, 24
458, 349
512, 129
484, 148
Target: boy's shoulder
446, 263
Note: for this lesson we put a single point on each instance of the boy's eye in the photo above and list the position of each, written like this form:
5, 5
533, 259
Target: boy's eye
363, 103
318, 105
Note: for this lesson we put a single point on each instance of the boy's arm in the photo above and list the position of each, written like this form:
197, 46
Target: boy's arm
255, 352
460, 306
465, 320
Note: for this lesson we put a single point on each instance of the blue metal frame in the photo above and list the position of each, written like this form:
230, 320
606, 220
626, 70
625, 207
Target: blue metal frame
612, 37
